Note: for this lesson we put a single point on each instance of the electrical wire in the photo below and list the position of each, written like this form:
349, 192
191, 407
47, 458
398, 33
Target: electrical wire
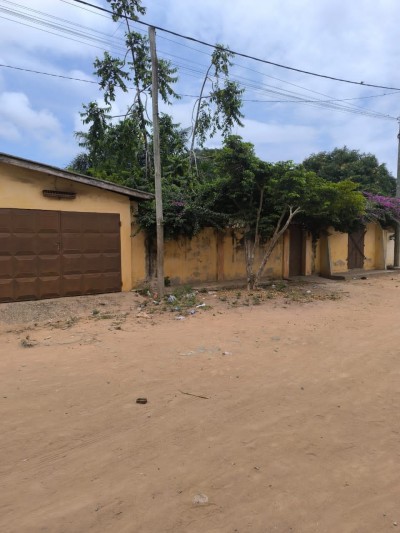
290, 96
241, 54
48, 74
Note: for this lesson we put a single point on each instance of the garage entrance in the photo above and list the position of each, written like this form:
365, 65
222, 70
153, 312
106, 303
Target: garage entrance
49, 254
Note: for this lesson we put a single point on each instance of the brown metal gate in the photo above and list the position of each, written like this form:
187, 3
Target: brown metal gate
355, 257
48, 254
296, 251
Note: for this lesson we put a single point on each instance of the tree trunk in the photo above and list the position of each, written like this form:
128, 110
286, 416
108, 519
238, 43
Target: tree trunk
192, 155
249, 258
141, 109
279, 231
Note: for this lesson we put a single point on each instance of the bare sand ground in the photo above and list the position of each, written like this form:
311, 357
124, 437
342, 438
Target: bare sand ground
298, 430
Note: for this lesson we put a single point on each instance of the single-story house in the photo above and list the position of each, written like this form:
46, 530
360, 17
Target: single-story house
61, 233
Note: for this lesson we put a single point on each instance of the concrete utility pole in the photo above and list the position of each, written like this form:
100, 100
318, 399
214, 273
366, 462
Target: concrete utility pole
397, 229
157, 164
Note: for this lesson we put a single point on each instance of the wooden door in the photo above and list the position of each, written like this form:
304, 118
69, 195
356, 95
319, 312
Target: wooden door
356, 249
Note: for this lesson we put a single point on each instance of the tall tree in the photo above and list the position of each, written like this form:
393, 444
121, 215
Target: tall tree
220, 109
263, 199
345, 164
117, 74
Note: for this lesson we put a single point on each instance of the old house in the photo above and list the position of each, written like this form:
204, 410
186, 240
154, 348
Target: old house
62, 234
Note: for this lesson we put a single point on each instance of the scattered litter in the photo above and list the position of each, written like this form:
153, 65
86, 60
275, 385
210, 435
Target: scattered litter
141, 400
143, 315
200, 499
200, 305
171, 298
273, 286
28, 342
190, 295
191, 312
195, 395
188, 353
226, 353
180, 317
308, 292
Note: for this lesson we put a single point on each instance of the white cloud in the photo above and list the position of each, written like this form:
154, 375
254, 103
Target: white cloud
22, 126
335, 38
16, 108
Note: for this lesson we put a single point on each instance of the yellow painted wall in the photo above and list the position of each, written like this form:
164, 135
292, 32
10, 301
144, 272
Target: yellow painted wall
338, 250
370, 246
308, 254
191, 260
234, 264
316, 257
138, 255
209, 256
389, 256
22, 189
219, 256
333, 250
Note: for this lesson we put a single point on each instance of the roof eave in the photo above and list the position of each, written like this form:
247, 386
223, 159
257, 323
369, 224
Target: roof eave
134, 194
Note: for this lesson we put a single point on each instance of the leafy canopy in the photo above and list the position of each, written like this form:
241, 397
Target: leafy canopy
344, 164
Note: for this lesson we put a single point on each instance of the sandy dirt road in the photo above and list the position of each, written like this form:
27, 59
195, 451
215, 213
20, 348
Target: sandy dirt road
299, 430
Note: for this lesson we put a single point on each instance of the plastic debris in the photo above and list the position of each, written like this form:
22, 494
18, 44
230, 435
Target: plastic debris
180, 317
200, 499
200, 305
171, 299
143, 315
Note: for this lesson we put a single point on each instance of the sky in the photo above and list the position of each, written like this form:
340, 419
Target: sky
288, 115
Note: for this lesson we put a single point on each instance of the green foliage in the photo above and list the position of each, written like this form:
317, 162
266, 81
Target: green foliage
231, 185
344, 164
340, 205
220, 111
115, 152
249, 189
126, 8
110, 72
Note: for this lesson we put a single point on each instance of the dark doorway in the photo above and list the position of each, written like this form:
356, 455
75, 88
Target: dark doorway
356, 249
296, 251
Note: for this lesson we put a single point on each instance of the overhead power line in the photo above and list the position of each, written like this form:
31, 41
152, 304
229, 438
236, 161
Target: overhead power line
241, 54
277, 93
48, 74
298, 100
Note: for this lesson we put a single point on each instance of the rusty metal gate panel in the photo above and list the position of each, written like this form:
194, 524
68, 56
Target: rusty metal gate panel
91, 253
29, 254
356, 249
47, 254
